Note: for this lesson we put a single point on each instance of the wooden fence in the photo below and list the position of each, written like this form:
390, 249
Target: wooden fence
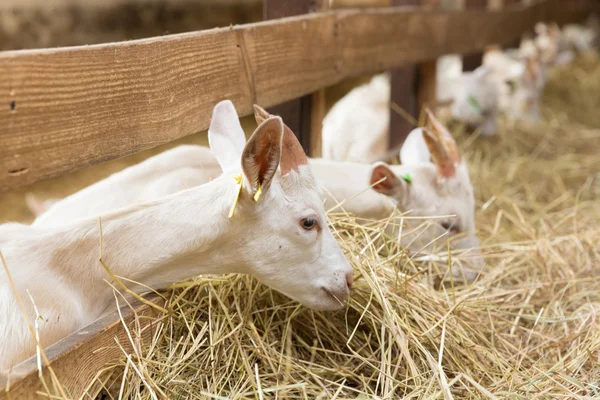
68, 108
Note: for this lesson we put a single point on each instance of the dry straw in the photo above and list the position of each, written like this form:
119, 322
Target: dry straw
529, 328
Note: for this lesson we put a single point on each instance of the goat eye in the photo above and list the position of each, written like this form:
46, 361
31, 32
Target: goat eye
309, 223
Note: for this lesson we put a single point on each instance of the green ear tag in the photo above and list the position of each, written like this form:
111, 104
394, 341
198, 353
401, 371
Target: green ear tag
407, 178
474, 103
512, 85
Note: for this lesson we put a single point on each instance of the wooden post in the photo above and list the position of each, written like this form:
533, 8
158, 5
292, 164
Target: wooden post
507, 3
474, 60
413, 87
305, 115
403, 94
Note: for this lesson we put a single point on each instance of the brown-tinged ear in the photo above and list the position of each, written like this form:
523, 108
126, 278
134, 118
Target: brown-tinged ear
293, 154
383, 180
260, 114
262, 154
442, 146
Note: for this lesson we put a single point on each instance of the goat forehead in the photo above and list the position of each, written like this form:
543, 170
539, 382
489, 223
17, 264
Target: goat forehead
300, 192
298, 182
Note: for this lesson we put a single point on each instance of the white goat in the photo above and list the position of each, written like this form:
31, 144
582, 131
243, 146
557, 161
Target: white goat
475, 100
425, 188
473, 95
520, 83
356, 128
449, 69
526, 94
432, 190
278, 232
580, 37
161, 175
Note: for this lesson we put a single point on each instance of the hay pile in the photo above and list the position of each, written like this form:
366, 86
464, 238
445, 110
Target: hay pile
529, 328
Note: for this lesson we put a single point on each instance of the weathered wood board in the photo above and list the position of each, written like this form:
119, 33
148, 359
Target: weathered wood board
63, 109
78, 358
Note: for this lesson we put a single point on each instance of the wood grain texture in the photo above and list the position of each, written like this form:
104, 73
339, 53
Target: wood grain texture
403, 88
403, 95
299, 112
427, 81
426, 78
78, 358
337, 4
63, 109
472, 61
78, 106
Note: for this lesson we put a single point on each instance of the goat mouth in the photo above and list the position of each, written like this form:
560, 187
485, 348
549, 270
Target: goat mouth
333, 297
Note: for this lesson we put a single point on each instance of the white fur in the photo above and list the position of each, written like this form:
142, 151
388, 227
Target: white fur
426, 196
449, 69
520, 93
473, 95
168, 172
356, 128
167, 240
579, 37
475, 100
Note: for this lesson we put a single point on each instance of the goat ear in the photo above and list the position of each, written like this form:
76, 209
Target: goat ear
414, 149
442, 146
390, 184
262, 154
226, 137
293, 155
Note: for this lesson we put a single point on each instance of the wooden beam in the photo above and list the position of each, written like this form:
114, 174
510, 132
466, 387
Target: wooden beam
427, 81
305, 114
413, 87
473, 60
67, 108
427, 72
403, 99
77, 358
41, 4
403, 95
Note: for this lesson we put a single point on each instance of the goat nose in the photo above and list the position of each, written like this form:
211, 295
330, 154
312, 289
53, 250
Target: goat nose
349, 279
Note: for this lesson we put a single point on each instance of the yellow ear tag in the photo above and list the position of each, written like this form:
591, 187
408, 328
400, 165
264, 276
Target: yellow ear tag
258, 192
238, 179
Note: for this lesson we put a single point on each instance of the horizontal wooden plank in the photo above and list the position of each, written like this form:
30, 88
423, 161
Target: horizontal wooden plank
41, 4
77, 358
63, 109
